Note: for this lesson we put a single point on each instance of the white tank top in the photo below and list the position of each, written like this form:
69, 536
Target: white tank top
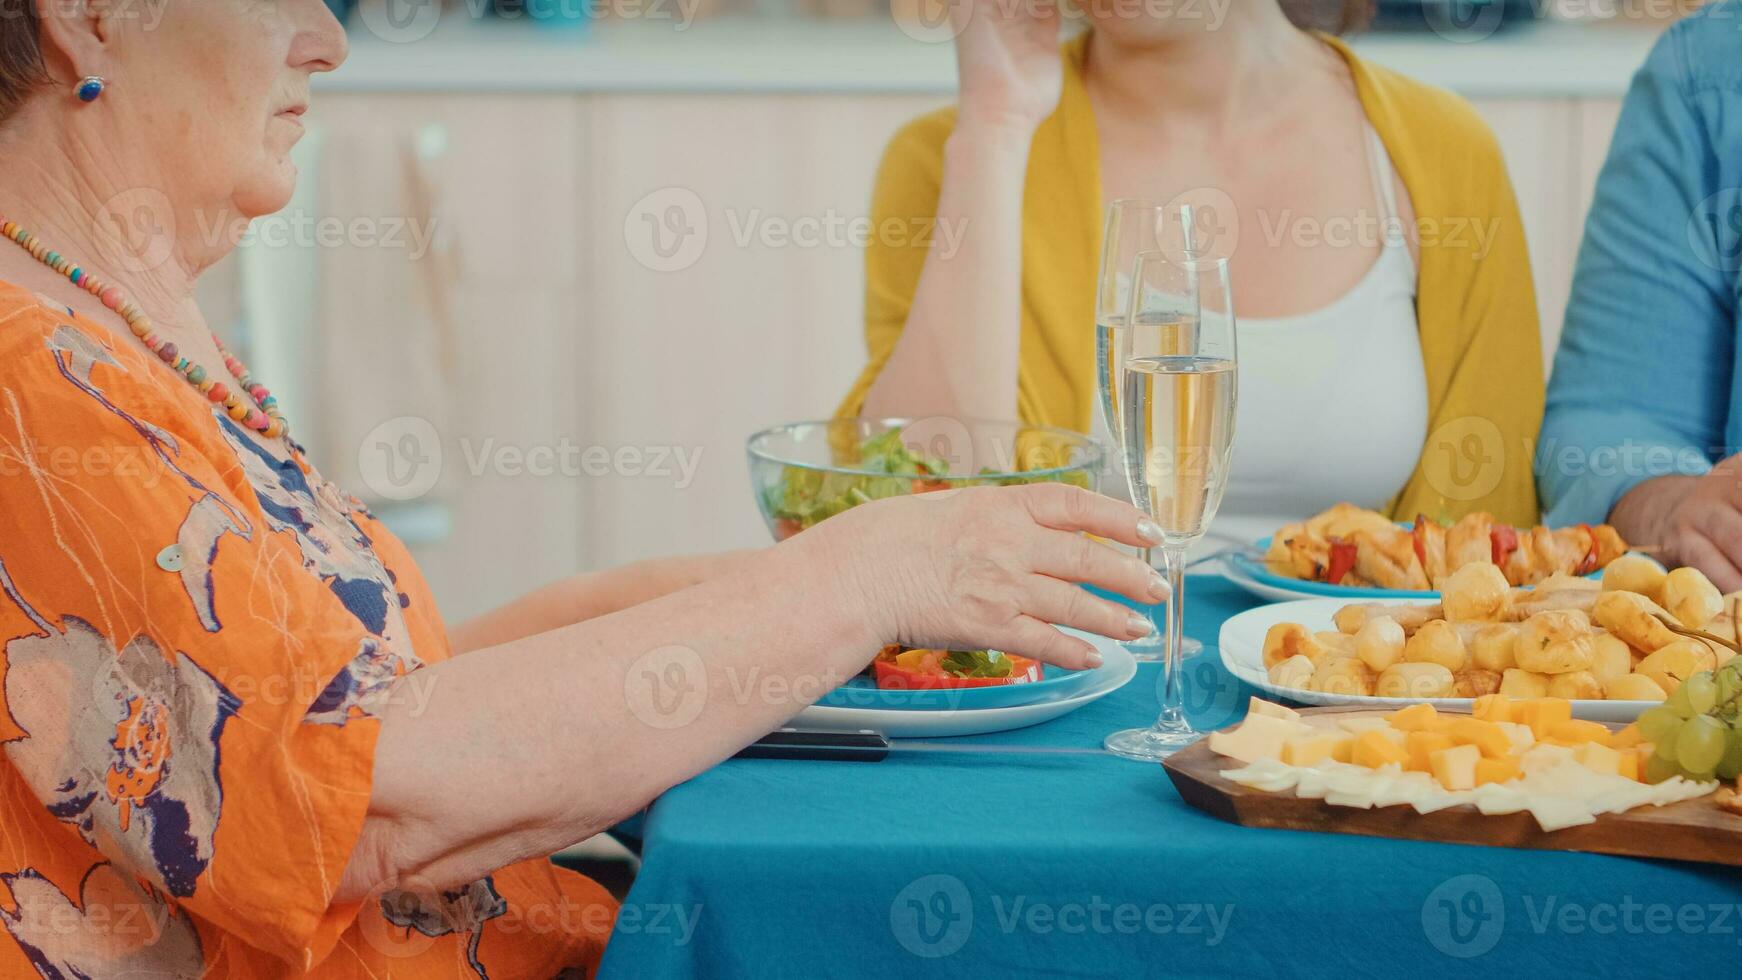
1333, 403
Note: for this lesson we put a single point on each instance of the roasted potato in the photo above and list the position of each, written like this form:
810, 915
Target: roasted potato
1611, 658
1474, 682
1633, 618
1475, 592
1691, 597
1676, 662
1294, 672
1380, 643
1578, 685
1635, 573
1491, 648
1437, 642
1523, 684
1347, 675
1415, 680
1285, 640
1555, 643
1633, 687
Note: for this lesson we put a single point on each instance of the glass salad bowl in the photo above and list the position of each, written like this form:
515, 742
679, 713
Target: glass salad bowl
806, 472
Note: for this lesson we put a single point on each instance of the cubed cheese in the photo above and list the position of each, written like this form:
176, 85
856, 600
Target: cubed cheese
1575, 732
1598, 758
1455, 768
1375, 748
1415, 718
1493, 707
1486, 736
1310, 750
1259, 706
1258, 737
1543, 714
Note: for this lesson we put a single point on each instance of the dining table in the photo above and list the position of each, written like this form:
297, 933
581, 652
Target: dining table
1038, 855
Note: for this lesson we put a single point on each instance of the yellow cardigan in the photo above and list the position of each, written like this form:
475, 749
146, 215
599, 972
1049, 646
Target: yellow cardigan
1477, 312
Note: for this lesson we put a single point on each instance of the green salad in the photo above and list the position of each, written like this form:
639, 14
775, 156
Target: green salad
805, 496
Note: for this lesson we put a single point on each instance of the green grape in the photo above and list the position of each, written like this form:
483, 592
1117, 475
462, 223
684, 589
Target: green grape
1730, 680
1679, 703
1700, 692
1659, 725
1658, 769
1730, 766
1700, 744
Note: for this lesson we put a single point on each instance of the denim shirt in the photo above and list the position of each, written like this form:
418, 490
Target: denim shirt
1646, 382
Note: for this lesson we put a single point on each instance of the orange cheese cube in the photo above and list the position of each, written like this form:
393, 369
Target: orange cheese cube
1373, 749
1543, 714
1493, 707
1497, 770
1455, 768
1421, 745
1626, 738
1490, 739
1630, 764
1310, 750
1578, 732
1415, 718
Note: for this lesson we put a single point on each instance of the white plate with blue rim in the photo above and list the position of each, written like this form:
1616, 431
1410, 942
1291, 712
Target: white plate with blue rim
1116, 670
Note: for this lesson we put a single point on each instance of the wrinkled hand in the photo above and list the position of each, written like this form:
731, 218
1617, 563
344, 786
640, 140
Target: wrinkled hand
995, 567
1007, 60
1692, 520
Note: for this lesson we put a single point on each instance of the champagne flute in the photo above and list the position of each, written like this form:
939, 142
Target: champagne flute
1177, 405
1132, 227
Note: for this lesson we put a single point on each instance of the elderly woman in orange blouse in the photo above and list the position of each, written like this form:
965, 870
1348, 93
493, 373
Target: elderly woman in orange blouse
236, 738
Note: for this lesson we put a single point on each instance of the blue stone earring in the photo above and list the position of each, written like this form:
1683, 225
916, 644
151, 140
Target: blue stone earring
91, 88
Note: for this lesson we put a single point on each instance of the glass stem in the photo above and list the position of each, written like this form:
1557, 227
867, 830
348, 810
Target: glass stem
1172, 697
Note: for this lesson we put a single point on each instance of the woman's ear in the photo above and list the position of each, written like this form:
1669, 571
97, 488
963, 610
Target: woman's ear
76, 35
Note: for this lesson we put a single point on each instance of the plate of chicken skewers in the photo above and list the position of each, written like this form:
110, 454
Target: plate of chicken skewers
1349, 552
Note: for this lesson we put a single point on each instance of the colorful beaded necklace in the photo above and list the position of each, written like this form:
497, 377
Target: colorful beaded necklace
262, 416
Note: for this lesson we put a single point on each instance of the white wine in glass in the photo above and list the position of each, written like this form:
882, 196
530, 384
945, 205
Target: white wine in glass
1180, 390
1132, 227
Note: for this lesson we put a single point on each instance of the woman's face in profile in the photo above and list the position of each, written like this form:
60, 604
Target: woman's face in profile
214, 90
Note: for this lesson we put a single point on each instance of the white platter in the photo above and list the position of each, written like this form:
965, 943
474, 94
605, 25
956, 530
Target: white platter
1242, 648
1118, 668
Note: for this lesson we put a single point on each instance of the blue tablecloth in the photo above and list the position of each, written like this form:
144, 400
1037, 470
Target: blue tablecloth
1091, 866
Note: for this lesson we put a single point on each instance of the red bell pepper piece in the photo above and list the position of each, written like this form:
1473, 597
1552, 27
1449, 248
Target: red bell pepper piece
1588, 564
1342, 560
1503, 541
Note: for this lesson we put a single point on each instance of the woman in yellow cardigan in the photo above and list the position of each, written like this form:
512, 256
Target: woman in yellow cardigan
1400, 370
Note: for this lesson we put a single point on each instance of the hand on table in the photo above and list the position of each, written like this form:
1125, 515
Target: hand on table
1691, 520
993, 567
1007, 57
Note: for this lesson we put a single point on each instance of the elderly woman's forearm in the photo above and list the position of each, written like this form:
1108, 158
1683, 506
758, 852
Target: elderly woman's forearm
957, 354
590, 595
520, 750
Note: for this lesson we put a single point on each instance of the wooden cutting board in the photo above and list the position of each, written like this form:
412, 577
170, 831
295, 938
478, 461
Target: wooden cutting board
1695, 830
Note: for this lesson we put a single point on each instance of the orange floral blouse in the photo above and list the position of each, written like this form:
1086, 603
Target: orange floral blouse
195, 638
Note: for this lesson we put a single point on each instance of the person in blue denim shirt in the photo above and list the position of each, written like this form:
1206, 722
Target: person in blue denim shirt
1644, 416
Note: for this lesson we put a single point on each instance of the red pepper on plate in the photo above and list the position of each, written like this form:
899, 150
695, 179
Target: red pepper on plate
1342, 560
1503, 541
932, 672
